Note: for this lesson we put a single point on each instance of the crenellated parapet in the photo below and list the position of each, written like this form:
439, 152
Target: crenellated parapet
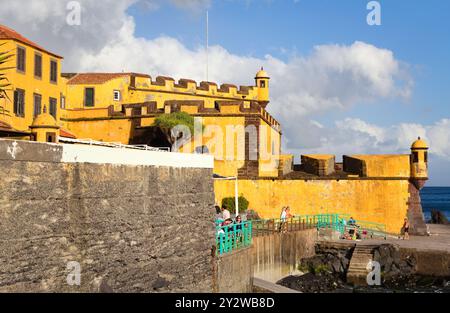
191, 87
196, 107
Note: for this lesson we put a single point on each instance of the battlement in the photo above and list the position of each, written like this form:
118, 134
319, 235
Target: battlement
191, 87
165, 84
194, 107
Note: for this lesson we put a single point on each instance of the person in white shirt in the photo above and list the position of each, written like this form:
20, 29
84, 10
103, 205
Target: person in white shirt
282, 218
225, 213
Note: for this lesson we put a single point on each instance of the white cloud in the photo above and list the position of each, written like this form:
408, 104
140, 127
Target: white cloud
353, 136
376, 133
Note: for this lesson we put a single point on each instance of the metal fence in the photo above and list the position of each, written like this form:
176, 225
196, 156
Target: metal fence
336, 222
264, 227
233, 237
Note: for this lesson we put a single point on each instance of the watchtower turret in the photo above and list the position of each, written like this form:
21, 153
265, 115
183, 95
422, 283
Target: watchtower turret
419, 162
262, 83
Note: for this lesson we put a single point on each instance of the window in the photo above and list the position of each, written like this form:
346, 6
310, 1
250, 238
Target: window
117, 95
415, 157
53, 71
50, 137
426, 156
262, 84
89, 94
37, 104
52, 103
38, 65
21, 58
19, 102
62, 101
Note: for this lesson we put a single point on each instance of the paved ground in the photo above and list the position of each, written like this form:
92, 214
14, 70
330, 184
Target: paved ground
439, 240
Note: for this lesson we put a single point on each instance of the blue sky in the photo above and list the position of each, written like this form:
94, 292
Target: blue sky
418, 32
338, 85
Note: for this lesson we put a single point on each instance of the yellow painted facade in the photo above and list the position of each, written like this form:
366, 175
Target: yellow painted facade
379, 201
30, 84
386, 165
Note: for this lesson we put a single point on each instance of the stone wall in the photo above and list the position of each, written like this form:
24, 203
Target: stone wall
131, 228
278, 255
234, 272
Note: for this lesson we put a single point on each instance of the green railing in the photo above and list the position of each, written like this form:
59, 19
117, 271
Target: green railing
337, 222
368, 229
268, 226
233, 237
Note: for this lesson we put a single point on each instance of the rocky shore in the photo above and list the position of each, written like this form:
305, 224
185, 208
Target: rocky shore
327, 272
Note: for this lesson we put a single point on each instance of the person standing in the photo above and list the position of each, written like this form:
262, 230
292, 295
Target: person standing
282, 219
288, 213
225, 213
406, 229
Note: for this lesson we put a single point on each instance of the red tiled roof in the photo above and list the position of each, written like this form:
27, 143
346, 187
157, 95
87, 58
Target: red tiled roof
8, 33
66, 133
98, 78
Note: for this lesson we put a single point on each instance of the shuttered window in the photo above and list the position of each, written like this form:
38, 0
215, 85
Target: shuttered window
53, 103
53, 71
89, 94
21, 59
37, 104
19, 102
38, 65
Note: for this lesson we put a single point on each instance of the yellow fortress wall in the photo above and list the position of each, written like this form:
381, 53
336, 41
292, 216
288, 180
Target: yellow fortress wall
380, 201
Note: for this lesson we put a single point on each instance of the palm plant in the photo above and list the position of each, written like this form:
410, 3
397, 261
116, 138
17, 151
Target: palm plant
4, 82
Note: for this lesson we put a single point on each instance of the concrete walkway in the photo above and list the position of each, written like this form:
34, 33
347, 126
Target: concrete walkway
438, 240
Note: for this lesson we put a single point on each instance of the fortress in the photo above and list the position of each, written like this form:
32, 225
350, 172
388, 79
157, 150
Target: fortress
46, 105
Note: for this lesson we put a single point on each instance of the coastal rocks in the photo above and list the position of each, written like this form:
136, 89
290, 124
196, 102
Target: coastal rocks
394, 268
314, 283
437, 217
328, 259
400, 271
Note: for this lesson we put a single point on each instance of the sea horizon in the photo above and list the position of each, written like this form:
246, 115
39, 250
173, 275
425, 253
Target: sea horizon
437, 198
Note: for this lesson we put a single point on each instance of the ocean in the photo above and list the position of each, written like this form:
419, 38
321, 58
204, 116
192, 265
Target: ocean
435, 198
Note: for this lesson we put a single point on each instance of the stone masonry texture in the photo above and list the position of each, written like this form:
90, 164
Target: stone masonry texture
131, 228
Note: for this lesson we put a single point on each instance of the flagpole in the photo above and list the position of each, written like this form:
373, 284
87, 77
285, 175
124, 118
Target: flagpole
207, 45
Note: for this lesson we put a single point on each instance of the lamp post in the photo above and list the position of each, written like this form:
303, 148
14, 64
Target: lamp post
236, 189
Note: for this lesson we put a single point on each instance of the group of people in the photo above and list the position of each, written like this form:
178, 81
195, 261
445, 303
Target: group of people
352, 233
223, 218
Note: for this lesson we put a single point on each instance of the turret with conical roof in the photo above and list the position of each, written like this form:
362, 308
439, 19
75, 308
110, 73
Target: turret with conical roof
419, 161
262, 83
45, 128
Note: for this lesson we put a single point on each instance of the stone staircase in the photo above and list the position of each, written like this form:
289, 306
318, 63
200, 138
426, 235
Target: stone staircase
357, 271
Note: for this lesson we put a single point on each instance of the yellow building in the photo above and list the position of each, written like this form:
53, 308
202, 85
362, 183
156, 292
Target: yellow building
234, 126
121, 107
35, 84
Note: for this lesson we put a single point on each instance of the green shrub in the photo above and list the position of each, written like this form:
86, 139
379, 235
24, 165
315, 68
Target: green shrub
169, 121
230, 204
321, 269
304, 268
